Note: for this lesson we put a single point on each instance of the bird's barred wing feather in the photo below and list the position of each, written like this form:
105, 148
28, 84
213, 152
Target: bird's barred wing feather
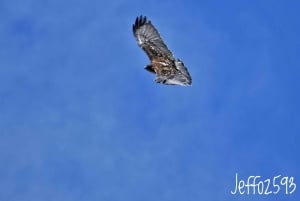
149, 39
181, 67
184, 76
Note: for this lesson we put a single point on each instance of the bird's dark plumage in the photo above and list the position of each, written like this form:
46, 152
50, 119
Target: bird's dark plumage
168, 70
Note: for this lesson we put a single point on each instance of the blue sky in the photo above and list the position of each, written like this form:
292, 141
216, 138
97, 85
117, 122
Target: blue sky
80, 119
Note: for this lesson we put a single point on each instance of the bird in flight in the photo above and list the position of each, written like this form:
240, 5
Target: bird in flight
168, 70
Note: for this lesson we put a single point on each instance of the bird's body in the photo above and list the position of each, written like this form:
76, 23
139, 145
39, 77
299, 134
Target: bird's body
168, 70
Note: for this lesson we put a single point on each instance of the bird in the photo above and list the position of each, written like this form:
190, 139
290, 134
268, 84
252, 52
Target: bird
168, 69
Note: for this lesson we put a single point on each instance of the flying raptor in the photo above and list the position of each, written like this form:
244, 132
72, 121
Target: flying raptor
168, 70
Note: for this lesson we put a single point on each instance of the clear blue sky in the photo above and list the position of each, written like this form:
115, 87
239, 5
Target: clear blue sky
80, 118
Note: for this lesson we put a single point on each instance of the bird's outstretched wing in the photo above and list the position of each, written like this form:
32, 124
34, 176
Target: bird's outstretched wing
149, 39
